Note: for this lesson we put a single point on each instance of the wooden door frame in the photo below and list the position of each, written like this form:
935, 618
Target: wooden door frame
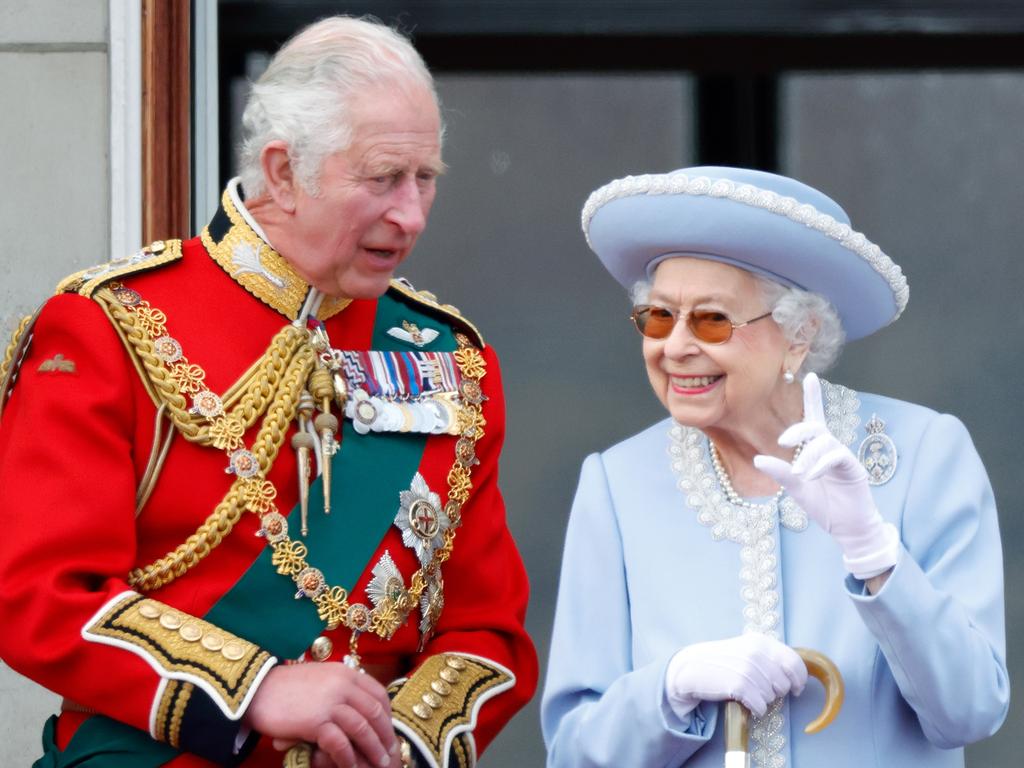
166, 118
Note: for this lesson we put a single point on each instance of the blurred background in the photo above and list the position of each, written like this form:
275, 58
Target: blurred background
909, 114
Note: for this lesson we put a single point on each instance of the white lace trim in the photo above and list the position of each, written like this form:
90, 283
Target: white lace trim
753, 528
748, 194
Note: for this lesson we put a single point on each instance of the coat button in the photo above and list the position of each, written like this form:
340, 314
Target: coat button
321, 649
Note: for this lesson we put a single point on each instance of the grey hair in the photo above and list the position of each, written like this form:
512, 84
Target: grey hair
304, 96
804, 317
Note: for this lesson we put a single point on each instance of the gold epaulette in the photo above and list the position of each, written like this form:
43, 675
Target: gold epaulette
156, 254
427, 302
436, 708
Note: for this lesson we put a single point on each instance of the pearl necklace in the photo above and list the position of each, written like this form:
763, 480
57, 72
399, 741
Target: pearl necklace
726, 483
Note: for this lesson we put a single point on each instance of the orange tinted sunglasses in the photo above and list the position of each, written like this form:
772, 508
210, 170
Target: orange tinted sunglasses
708, 325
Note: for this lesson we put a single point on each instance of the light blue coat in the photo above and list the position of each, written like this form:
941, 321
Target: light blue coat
643, 575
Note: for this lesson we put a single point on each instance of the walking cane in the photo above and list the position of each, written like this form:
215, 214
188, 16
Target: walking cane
737, 717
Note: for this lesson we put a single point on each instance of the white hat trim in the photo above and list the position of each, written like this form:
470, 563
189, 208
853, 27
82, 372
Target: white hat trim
748, 194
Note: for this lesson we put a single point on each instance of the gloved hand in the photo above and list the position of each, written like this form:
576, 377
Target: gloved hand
830, 484
752, 669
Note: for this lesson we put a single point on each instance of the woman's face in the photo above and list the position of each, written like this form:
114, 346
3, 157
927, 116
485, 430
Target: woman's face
722, 386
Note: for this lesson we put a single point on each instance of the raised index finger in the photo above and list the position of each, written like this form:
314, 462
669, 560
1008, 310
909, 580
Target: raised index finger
814, 410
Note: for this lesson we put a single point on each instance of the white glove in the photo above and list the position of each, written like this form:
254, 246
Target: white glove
752, 669
830, 484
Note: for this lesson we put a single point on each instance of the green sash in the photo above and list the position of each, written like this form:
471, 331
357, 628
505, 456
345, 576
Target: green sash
101, 742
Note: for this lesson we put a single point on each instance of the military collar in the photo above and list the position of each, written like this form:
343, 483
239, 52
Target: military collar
237, 243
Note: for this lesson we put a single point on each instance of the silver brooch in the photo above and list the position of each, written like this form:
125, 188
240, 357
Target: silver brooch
421, 520
387, 583
877, 452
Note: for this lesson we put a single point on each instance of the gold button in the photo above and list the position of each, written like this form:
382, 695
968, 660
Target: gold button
441, 687
191, 632
321, 649
455, 663
212, 642
149, 611
422, 711
157, 246
432, 699
449, 675
233, 650
170, 620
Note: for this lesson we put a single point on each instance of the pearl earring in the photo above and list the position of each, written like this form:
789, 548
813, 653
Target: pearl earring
788, 377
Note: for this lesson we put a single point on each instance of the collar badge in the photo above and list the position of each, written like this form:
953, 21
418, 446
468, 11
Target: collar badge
410, 333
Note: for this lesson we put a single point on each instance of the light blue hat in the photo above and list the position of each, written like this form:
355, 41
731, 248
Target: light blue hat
768, 224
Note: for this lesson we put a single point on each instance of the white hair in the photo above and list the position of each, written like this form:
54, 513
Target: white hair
304, 96
804, 317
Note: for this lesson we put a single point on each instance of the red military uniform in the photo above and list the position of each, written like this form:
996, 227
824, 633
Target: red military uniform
153, 581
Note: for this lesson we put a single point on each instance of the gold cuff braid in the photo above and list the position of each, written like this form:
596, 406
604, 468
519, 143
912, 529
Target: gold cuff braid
186, 651
436, 708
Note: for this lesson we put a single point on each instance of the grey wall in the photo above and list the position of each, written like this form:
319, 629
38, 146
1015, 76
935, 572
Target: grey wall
54, 215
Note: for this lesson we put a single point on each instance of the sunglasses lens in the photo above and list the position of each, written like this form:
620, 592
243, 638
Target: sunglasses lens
712, 327
653, 322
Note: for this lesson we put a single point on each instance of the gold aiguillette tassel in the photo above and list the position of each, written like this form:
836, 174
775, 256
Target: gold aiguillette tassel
304, 444
326, 424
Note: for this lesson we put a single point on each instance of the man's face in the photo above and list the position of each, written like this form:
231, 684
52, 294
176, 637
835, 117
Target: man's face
374, 196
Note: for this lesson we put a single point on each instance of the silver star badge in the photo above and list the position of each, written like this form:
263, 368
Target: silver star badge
421, 519
387, 583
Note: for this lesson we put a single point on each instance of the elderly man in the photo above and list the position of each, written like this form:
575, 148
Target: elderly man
225, 456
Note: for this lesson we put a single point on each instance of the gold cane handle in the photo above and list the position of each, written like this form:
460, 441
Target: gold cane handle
737, 717
822, 667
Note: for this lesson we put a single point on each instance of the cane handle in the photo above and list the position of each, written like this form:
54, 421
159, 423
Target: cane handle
827, 673
819, 666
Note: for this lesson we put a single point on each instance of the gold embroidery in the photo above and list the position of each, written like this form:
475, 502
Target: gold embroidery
57, 363
171, 711
89, 280
261, 270
435, 718
180, 705
160, 633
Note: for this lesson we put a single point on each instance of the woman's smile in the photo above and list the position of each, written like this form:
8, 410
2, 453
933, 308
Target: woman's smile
694, 385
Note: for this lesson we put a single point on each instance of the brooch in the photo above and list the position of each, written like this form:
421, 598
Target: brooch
877, 452
421, 519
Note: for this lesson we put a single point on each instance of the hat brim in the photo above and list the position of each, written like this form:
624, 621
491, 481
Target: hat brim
796, 236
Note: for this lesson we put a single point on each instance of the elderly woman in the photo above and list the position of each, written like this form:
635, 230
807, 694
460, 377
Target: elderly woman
771, 510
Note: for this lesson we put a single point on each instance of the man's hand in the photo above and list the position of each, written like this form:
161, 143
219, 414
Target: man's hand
344, 713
